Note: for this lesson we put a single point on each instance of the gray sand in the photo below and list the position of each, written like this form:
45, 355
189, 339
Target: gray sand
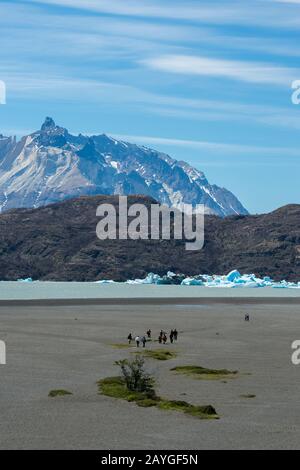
69, 347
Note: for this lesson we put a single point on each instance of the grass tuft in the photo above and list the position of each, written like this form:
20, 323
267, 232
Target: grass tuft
115, 387
160, 354
122, 345
59, 393
204, 373
202, 412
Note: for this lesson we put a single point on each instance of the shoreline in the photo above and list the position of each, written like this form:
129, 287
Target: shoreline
151, 301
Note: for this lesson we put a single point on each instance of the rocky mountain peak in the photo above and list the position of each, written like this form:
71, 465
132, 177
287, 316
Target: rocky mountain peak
48, 124
51, 165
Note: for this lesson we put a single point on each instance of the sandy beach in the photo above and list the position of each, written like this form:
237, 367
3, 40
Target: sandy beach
69, 345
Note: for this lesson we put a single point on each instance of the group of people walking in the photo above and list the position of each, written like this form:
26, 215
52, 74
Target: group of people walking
138, 339
162, 339
172, 336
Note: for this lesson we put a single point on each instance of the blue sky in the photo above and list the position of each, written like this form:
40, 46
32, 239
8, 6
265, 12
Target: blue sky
207, 82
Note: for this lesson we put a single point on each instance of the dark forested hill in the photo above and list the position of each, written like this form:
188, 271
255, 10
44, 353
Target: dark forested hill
58, 242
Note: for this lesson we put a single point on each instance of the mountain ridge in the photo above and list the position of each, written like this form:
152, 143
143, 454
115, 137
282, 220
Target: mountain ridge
51, 165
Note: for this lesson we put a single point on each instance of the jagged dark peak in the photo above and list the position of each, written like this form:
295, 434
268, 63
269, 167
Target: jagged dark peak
49, 127
89, 151
51, 135
48, 124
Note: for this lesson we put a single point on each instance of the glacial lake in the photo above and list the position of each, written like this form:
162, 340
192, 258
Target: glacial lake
92, 290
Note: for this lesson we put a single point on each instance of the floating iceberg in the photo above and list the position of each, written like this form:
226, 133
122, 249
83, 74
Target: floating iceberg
190, 281
28, 279
105, 281
234, 279
233, 275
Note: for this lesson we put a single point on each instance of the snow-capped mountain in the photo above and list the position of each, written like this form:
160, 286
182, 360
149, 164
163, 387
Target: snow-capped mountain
51, 165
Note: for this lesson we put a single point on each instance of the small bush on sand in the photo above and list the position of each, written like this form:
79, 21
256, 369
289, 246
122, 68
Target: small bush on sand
135, 376
116, 387
136, 385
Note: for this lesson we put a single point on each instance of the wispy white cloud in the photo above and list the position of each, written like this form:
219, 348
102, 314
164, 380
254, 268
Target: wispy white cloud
215, 147
286, 1
256, 12
274, 46
140, 8
39, 35
190, 10
34, 86
118, 36
287, 120
32, 17
237, 70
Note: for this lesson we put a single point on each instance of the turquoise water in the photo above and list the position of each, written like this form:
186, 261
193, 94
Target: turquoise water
91, 290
